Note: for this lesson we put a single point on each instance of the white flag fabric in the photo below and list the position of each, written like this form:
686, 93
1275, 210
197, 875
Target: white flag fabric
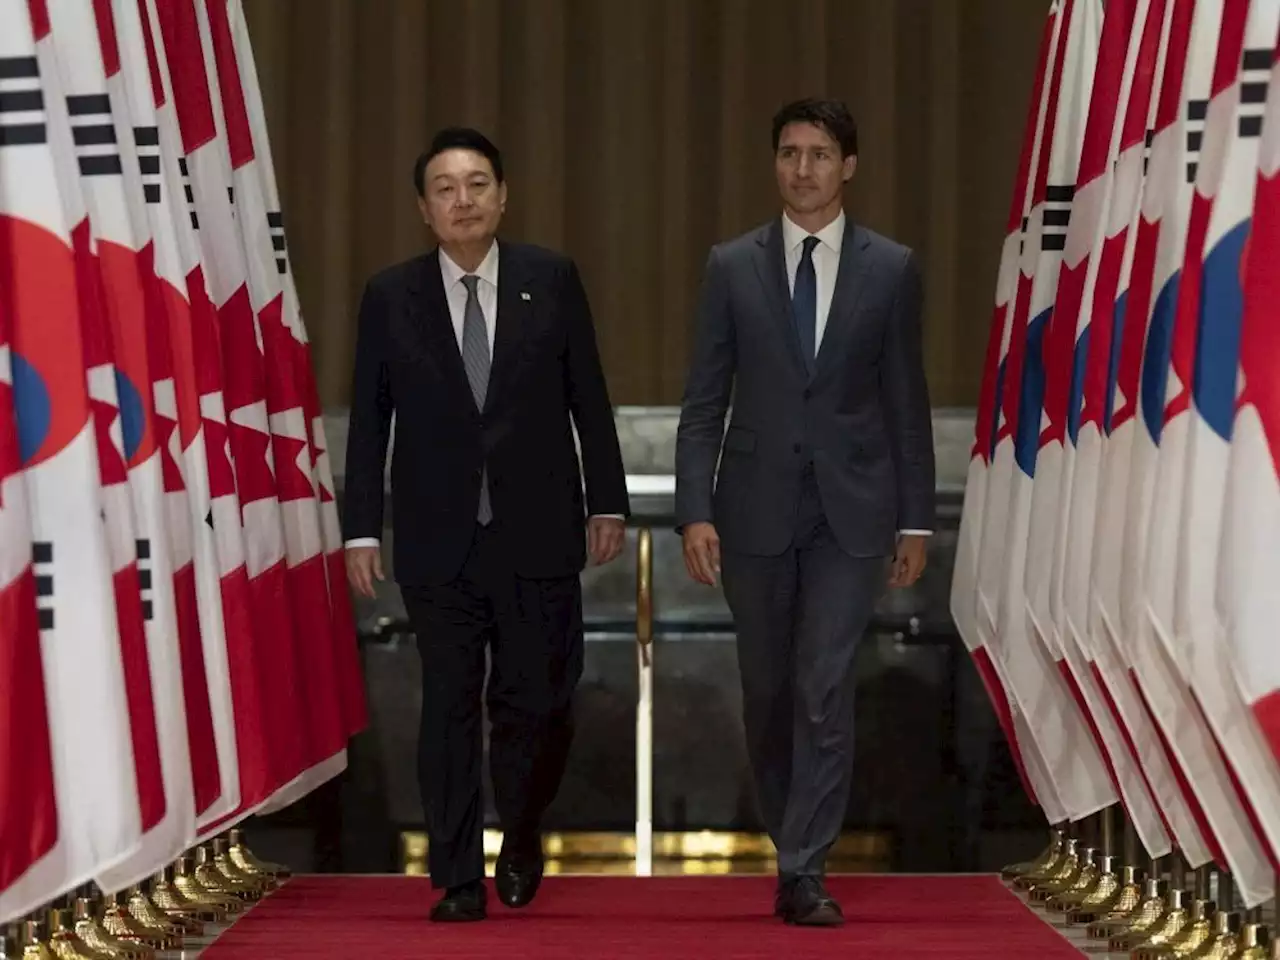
179, 435
1076, 764
81, 156
1249, 566
1160, 238
964, 583
226, 602
275, 723
290, 437
1100, 671
1232, 128
347, 654
99, 817
994, 538
120, 243
28, 802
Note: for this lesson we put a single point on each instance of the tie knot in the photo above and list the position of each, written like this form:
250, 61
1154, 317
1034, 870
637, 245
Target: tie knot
470, 281
809, 244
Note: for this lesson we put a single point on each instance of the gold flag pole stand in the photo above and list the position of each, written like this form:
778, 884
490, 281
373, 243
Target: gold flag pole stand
1255, 938
1061, 865
1224, 939
1138, 916
1174, 919
1195, 932
1126, 896
1155, 911
1096, 883
1057, 839
35, 945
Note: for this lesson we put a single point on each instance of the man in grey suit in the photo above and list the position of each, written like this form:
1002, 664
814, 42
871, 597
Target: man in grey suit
825, 482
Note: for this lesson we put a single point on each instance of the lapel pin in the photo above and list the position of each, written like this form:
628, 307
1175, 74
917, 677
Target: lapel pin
525, 296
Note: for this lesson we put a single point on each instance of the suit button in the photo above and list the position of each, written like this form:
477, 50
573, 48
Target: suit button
795, 447
808, 394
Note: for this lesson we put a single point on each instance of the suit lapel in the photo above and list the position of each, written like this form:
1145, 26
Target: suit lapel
512, 321
770, 262
429, 313
842, 317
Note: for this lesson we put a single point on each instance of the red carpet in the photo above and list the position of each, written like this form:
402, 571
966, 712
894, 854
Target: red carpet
621, 917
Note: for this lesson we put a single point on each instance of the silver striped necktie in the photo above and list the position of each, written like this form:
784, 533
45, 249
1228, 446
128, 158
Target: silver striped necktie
475, 358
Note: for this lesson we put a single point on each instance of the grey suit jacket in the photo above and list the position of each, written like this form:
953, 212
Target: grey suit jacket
860, 412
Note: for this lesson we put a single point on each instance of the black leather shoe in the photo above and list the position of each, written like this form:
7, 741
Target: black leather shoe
461, 904
810, 905
782, 896
518, 876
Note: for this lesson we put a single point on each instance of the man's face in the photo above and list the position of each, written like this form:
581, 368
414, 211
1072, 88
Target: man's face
463, 200
809, 167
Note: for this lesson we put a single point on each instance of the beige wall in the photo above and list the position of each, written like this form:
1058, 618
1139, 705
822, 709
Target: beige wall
636, 133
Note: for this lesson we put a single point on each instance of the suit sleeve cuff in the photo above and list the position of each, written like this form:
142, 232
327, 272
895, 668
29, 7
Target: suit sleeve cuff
363, 542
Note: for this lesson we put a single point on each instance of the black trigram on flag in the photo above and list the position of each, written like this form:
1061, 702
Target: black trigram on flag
94, 134
1197, 110
1057, 216
188, 192
148, 142
22, 116
275, 224
145, 580
1255, 75
42, 567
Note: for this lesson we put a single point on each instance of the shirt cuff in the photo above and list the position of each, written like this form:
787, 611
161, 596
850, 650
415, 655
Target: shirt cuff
363, 542
916, 533
610, 516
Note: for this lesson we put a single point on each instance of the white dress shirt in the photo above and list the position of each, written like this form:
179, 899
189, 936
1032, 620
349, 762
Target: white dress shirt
455, 292
826, 265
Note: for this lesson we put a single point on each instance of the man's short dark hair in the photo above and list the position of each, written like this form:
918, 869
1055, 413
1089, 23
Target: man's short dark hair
831, 115
456, 138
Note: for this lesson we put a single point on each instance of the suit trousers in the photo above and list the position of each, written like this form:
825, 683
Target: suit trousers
533, 633
799, 617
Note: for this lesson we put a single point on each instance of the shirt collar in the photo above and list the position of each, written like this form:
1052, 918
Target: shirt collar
831, 236
487, 271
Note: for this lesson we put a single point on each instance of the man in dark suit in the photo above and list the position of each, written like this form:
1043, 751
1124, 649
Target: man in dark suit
826, 471
485, 352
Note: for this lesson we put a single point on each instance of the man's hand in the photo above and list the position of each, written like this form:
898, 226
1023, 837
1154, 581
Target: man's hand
364, 565
702, 552
605, 537
908, 560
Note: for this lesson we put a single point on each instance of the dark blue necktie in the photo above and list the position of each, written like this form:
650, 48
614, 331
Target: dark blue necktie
804, 301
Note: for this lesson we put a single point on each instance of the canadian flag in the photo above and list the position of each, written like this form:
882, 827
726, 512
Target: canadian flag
347, 654
279, 358
95, 775
222, 579
283, 721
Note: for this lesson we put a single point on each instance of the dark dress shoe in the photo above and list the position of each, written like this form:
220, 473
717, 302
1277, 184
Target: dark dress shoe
810, 905
517, 877
782, 896
461, 904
